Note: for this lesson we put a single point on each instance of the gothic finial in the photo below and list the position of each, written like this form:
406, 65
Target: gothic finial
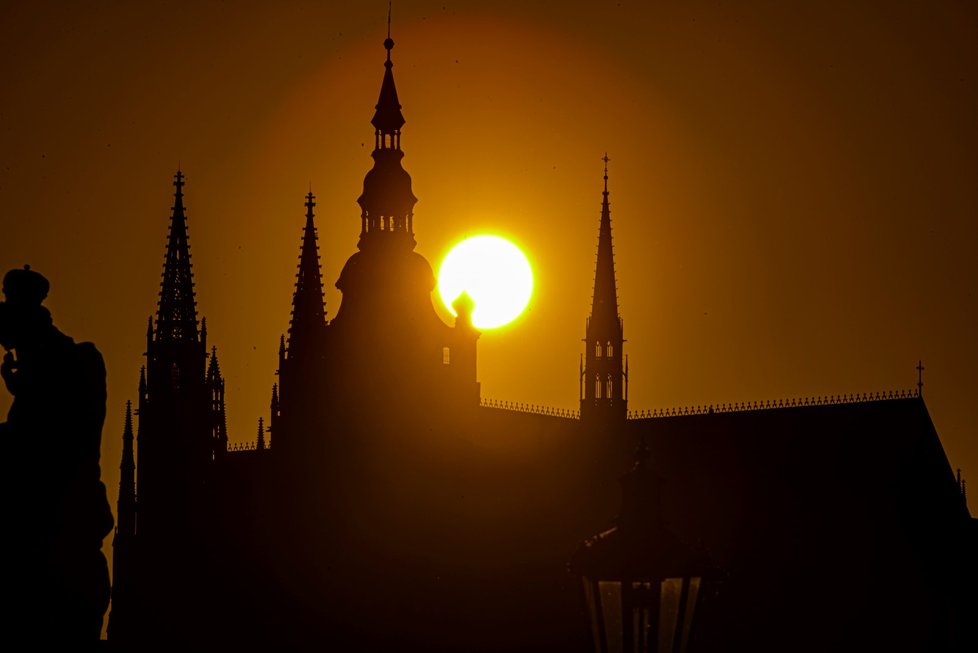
308, 309
920, 378
388, 118
176, 319
260, 443
606, 160
127, 428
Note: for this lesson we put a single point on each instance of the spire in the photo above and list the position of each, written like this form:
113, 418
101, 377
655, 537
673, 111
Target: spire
387, 203
176, 319
604, 305
218, 415
260, 442
213, 367
388, 118
127, 479
604, 374
308, 310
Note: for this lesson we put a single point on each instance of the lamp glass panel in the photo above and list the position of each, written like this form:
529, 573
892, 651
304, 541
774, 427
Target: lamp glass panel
694, 588
641, 617
610, 593
592, 610
669, 612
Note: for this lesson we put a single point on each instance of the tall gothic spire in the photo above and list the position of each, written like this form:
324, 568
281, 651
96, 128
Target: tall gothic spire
176, 319
387, 203
603, 377
604, 304
308, 309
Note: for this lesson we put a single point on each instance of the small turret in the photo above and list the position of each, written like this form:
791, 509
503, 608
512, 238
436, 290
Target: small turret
275, 411
218, 417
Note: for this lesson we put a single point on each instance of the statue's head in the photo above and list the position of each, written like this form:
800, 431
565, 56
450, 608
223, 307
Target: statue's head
21, 314
24, 286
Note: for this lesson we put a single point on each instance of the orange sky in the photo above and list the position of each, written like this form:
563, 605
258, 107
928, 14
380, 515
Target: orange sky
793, 190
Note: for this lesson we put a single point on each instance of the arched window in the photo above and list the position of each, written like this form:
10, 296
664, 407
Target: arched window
446, 356
597, 387
611, 350
597, 349
607, 387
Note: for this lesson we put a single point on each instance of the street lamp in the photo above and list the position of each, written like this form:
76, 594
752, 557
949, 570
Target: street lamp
644, 588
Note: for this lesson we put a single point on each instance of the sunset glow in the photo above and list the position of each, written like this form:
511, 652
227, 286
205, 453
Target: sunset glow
495, 274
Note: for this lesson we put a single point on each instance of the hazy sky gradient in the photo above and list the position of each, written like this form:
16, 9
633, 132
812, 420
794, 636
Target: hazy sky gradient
793, 187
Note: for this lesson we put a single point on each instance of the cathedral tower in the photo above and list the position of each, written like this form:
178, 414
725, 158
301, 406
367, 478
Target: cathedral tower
386, 340
300, 363
181, 431
387, 203
604, 377
182, 406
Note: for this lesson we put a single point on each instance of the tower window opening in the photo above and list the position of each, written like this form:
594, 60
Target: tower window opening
597, 350
446, 356
611, 350
597, 387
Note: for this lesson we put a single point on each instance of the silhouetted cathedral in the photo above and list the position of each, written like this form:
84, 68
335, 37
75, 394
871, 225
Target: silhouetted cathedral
383, 505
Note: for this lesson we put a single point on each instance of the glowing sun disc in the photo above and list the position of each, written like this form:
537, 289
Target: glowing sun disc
495, 274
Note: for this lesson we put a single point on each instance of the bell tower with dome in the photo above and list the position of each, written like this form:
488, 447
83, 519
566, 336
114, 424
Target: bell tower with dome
385, 343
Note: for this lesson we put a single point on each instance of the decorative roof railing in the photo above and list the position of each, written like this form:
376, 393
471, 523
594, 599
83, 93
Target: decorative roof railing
739, 407
245, 446
735, 407
530, 408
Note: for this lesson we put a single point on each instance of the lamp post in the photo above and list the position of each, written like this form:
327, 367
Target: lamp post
644, 588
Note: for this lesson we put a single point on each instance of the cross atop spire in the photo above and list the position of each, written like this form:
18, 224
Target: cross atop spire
176, 318
920, 378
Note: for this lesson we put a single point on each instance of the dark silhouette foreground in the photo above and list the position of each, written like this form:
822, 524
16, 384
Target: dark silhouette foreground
56, 583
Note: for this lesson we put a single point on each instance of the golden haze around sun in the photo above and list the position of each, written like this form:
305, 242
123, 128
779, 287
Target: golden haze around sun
494, 273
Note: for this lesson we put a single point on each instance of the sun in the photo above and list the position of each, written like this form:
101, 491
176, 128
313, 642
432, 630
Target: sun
494, 273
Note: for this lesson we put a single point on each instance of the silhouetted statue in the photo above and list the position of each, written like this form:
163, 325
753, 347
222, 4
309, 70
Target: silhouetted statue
56, 583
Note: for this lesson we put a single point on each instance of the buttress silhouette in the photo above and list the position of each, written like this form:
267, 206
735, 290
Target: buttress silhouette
57, 585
